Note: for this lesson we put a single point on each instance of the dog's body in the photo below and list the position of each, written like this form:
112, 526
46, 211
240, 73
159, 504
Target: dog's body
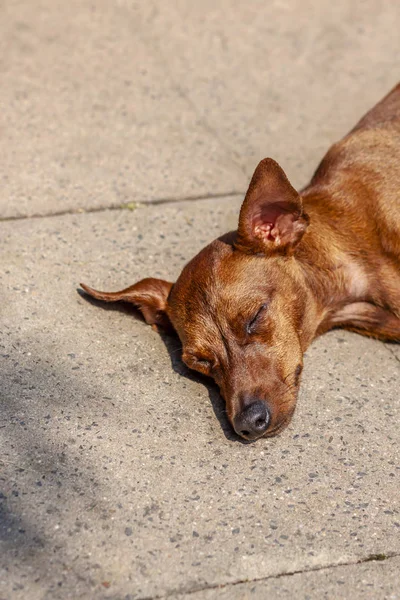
248, 305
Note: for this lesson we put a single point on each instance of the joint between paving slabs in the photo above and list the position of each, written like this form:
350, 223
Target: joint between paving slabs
379, 557
125, 206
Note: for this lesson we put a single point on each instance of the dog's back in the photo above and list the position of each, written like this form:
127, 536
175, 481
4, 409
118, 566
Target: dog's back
360, 179
385, 114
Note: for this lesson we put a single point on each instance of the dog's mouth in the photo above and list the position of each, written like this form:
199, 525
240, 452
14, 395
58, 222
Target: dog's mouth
278, 428
249, 437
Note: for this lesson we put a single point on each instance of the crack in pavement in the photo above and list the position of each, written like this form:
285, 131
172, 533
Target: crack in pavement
201, 588
232, 154
127, 206
389, 349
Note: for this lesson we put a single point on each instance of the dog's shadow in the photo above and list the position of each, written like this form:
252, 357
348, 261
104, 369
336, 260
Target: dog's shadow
173, 345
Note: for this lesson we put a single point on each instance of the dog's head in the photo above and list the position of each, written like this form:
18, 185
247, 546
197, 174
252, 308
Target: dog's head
239, 307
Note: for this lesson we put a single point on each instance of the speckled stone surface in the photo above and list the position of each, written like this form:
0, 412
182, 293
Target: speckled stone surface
358, 582
110, 103
283, 78
90, 116
395, 349
120, 477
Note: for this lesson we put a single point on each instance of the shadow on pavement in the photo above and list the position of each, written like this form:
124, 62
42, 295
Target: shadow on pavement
174, 349
49, 490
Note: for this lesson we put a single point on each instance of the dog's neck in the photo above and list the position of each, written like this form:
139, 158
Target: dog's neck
333, 277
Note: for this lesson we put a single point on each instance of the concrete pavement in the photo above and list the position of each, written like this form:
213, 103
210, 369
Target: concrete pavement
119, 475
108, 103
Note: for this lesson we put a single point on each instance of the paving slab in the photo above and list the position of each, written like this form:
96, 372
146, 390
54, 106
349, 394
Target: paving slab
358, 582
105, 104
283, 78
91, 117
120, 477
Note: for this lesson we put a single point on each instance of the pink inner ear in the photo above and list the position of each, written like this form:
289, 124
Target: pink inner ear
272, 221
271, 218
263, 230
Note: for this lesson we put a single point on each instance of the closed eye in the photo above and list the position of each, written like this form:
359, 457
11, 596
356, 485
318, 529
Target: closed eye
252, 324
204, 365
202, 362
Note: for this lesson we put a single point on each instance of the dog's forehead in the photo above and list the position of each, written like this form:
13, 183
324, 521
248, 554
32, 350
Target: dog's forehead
213, 287
198, 282
215, 268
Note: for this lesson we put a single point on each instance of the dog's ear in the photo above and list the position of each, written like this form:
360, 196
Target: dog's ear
148, 295
271, 218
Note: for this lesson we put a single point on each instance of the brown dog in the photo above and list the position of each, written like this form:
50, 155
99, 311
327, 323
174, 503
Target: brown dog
248, 305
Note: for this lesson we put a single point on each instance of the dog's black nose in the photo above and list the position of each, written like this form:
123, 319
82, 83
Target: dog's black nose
253, 421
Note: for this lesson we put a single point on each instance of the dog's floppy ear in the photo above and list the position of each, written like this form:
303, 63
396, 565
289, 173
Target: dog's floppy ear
148, 295
271, 218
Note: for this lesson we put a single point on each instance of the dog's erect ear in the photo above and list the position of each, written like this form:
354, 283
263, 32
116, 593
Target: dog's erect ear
148, 295
271, 218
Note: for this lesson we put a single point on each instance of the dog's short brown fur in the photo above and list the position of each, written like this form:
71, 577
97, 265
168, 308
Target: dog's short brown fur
248, 305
